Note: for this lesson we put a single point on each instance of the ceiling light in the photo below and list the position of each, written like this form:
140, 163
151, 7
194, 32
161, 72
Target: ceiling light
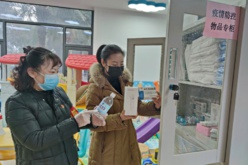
150, 7
146, 6
132, 4
141, 5
161, 6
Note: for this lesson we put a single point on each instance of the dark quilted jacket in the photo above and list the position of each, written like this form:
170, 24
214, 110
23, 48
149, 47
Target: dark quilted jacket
42, 136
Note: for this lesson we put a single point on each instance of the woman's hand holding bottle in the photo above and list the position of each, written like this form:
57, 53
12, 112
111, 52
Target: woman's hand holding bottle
98, 119
83, 118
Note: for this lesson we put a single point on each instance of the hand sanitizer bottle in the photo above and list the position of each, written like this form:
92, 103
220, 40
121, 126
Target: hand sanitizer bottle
106, 104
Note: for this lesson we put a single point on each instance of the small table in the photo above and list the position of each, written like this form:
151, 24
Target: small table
7, 150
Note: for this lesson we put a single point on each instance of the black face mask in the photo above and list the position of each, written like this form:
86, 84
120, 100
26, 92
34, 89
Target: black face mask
115, 72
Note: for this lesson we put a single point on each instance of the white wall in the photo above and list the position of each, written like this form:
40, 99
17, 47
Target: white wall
115, 26
147, 63
189, 19
238, 132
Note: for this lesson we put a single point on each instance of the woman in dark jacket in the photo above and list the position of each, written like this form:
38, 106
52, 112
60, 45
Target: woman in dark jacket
39, 113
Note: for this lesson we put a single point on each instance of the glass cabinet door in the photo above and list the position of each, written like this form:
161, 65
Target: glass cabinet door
196, 88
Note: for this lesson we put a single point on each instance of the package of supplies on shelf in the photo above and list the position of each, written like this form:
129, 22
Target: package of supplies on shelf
204, 129
200, 106
214, 133
209, 123
215, 110
205, 60
147, 93
131, 101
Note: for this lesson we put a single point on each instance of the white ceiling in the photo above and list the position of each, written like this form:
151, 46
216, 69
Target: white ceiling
111, 4
88, 4
114, 4
232, 2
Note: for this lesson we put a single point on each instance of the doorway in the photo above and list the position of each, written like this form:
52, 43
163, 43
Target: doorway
145, 58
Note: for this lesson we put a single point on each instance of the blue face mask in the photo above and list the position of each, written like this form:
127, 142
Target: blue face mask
51, 82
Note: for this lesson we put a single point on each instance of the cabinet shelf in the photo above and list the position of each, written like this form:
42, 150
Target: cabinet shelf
200, 85
193, 138
194, 26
